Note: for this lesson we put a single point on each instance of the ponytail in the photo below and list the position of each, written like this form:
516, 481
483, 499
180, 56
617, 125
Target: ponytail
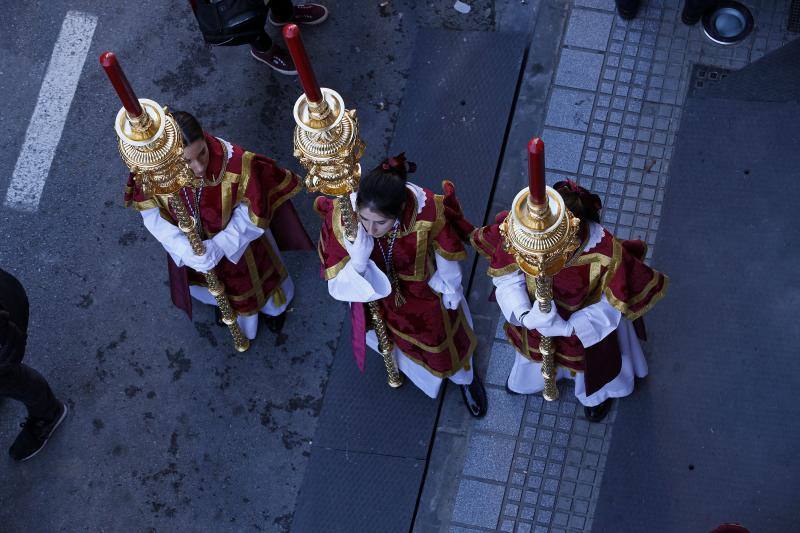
383, 190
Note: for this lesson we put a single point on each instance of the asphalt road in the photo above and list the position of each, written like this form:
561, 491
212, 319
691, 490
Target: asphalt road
170, 429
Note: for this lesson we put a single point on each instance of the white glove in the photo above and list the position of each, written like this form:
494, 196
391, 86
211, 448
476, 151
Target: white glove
535, 319
207, 261
360, 249
559, 328
452, 300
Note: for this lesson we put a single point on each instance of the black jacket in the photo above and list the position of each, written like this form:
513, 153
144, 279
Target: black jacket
13, 321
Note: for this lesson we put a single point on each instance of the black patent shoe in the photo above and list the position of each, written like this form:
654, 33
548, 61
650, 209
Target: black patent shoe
475, 397
275, 323
598, 412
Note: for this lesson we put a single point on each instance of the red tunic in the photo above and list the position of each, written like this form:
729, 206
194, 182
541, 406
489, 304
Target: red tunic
612, 268
439, 339
265, 188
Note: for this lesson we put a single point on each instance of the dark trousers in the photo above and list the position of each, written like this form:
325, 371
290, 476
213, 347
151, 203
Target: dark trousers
26, 385
19, 381
282, 10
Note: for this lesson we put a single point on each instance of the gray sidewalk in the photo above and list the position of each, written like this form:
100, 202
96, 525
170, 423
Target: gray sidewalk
608, 112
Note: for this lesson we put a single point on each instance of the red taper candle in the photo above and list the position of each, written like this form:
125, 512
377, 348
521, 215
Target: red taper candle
291, 34
121, 84
536, 184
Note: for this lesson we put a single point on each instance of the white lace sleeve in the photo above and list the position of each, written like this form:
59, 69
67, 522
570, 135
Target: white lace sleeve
171, 238
239, 233
447, 278
350, 286
595, 322
512, 296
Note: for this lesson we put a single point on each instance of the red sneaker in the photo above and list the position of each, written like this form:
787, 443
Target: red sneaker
276, 58
307, 14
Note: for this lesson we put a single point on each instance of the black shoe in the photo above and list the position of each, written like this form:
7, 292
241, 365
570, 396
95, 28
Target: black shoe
475, 397
598, 412
35, 434
275, 323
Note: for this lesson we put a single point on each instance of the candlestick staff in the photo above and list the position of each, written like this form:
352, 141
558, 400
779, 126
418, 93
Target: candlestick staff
327, 143
541, 234
151, 144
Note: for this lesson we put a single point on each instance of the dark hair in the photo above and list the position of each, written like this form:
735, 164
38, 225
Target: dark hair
191, 130
383, 190
582, 203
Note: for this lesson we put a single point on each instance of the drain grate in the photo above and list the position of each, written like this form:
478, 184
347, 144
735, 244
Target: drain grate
706, 76
794, 16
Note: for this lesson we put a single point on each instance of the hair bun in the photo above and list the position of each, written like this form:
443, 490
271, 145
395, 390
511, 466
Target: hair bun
399, 165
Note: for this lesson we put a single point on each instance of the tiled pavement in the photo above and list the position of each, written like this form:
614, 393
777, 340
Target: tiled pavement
613, 111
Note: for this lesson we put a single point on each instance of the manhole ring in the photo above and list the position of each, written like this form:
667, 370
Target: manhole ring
727, 22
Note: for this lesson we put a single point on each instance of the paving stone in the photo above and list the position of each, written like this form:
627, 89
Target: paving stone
505, 414
569, 109
563, 149
478, 503
588, 29
502, 359
607, 5
579, 69
489, 457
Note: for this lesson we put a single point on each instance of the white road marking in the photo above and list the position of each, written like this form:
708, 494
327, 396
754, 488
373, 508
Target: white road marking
50, 114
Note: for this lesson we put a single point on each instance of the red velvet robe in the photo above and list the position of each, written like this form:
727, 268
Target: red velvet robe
612, 268
265, 188
439, 339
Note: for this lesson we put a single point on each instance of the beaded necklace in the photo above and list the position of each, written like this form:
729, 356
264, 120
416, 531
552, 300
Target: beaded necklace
399, 299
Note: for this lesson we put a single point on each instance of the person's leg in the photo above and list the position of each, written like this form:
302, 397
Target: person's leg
45, 412
26, 385
309, 14
271, 54
281, 10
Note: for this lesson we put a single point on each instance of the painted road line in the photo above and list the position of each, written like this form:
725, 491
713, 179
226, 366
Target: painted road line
50, 114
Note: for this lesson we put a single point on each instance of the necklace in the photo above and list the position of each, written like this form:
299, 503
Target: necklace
399, 299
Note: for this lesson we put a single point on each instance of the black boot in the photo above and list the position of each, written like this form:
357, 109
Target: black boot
475, 397
598, 412
693, 10
627, 8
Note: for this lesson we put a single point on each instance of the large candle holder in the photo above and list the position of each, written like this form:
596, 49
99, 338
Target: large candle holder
542, 237
328, 146
151, 145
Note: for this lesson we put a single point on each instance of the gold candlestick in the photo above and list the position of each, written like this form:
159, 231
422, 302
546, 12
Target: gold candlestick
151, 145
327, 143
542, 238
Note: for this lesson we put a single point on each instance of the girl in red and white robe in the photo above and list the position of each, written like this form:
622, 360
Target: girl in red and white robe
244, 195
600, 297
405, 257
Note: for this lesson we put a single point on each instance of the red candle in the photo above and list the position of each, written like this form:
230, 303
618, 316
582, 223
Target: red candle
121, 84
536, 184
291, 34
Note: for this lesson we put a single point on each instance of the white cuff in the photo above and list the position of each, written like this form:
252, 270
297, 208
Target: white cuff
595, 322
350, 286
447, 278
238, 234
